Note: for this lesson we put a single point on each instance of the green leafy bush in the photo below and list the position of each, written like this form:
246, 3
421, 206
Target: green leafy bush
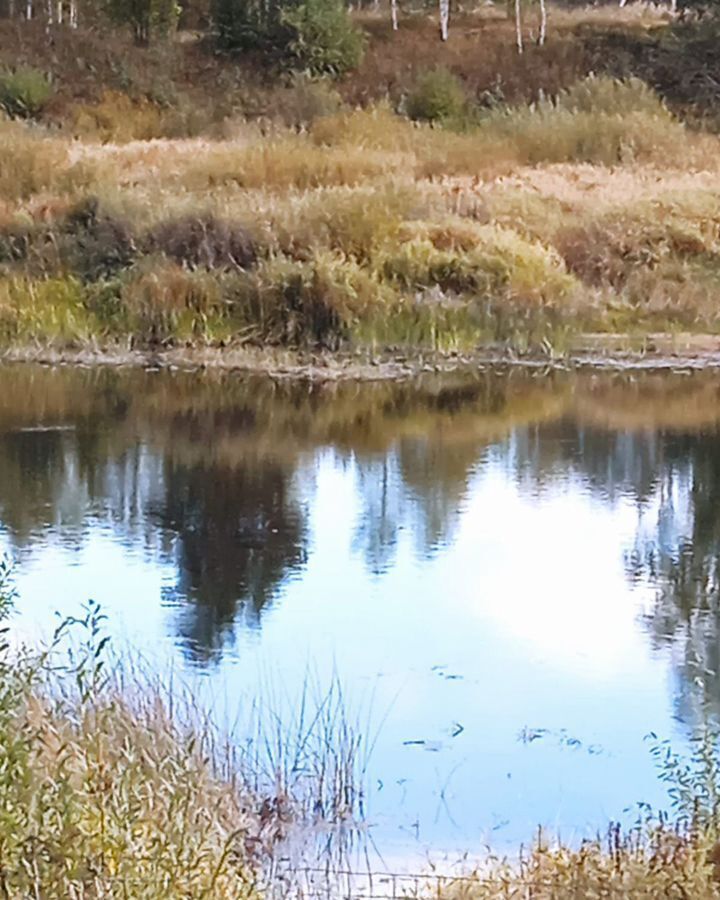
323, 39
24, 92
315, 36
438, 96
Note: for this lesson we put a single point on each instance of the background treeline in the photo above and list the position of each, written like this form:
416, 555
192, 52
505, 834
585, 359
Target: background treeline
122, 69
322, 36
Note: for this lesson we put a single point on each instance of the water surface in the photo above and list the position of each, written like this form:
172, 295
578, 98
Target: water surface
517, 572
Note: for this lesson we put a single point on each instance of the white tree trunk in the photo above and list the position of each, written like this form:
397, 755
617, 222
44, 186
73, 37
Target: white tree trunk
59, 14
394, 14
73, 19
622, 3
518, 26
444, 19
28, 10
543, 23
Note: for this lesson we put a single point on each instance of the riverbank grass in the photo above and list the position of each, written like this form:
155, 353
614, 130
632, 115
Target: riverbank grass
103, 793
593, 211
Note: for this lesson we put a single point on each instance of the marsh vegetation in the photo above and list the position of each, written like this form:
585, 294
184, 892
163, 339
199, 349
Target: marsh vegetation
438, 210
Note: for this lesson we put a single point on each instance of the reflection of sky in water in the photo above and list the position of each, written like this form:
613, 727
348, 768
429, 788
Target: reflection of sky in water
474, 560
521, 617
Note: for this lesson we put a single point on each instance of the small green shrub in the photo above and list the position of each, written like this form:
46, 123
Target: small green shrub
314, 36
438, 96
322, 38
24, 92
45, 310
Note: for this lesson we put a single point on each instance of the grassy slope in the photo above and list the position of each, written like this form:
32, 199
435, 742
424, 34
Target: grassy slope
599, 213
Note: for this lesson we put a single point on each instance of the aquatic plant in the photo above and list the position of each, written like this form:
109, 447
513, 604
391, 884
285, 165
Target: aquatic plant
115, 784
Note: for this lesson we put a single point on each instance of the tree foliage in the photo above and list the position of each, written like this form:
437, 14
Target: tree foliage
146, 18
315, 36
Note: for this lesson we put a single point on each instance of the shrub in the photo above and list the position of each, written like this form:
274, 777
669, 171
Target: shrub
83, 242
610, 248
322, 38
279, 165
24, 92
104, 791
305, 100
483, 260
311, 303
162, 302
355, 222
204, 242
316, 36
46, 310
92, 244
438, 96
612, 96
373, 128
117, 117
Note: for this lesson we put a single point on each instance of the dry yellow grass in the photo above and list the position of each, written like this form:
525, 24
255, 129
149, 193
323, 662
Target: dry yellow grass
659, 863
597, 211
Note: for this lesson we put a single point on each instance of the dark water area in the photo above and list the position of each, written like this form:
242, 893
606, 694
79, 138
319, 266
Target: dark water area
517, 573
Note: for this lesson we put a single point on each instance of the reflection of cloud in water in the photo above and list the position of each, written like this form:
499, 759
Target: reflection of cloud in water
548, 571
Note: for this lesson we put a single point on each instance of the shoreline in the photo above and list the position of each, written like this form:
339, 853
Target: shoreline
595, 351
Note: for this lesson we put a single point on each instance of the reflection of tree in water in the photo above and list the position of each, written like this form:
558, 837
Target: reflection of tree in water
674, 481
610, 463
417, 485
233, 533
383, 509
682, 556
239, 535
201, 471
416, 488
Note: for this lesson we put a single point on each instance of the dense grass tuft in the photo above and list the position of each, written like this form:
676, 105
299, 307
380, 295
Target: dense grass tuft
105, 797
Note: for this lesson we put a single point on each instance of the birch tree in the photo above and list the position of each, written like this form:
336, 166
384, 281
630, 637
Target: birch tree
394, 14
444, 19
518, 26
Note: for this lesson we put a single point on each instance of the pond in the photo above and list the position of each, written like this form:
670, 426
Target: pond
514, 574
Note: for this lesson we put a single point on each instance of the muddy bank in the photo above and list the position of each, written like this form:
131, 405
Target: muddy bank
658, 351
